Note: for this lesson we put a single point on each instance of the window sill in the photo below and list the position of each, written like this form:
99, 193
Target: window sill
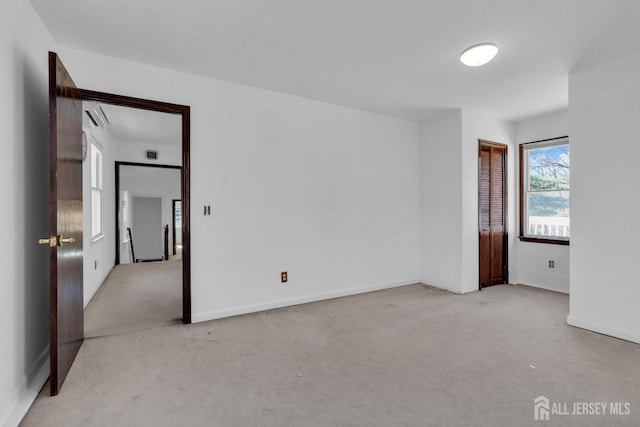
96, 239
543, 240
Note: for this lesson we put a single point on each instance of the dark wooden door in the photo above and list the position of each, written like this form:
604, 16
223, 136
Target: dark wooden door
492, 206
65, 221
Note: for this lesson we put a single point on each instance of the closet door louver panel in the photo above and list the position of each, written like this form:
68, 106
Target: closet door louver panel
492, 195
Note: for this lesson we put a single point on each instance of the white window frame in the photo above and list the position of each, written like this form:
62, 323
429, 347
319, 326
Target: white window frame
563, 227
96, 182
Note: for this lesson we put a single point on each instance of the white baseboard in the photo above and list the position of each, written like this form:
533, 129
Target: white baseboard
548, 288
551, 282
236, 311
603, 329
25, 394
444, 288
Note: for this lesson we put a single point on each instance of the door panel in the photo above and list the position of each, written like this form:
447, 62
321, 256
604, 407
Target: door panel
485, 217
497, 213
65, 221
496, 258
492, 213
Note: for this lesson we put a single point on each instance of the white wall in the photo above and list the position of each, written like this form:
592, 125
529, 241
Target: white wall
328, 193
24, 294
441, 204
132, 151
149, 181
147, 226
533, 258
449, 206
603, 125
99, 255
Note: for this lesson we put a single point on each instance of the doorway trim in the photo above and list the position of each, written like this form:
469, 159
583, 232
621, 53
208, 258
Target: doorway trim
185, 112
118, 164
505, 209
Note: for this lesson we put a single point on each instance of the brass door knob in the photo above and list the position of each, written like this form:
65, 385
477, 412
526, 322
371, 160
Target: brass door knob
62, 240
54, 241
51, 241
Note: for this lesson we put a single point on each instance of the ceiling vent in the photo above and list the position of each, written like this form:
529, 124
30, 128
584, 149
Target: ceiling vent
97, 117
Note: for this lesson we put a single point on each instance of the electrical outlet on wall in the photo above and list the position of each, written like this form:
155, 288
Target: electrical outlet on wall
95, 264
552, 264
283, 277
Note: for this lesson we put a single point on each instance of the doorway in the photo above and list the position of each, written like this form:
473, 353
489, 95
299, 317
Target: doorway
154, 187
492, 207
184, 112
67, 152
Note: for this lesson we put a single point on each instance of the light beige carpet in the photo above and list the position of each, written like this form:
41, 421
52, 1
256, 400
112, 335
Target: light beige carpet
178, 255
410, 356
135, 297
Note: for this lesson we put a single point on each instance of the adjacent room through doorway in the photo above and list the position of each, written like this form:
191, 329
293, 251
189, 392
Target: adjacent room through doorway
134, 178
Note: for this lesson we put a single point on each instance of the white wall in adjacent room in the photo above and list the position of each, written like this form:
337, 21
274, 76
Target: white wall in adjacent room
98, 254
132, 151
603, 125
533, 258
328, 193
140, 181
147, 227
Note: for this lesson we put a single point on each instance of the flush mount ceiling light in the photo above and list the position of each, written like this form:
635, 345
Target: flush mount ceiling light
479, 54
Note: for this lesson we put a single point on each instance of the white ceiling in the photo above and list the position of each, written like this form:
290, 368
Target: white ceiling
142, 126
396, 57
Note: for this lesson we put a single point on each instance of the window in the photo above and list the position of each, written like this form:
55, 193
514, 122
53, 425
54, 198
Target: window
96, 191
544, 191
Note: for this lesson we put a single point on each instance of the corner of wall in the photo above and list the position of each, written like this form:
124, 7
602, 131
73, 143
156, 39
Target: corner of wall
603, 329
13, 410
603, 107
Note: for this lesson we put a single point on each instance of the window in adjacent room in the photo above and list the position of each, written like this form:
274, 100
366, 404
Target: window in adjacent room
96, 190
544, 191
